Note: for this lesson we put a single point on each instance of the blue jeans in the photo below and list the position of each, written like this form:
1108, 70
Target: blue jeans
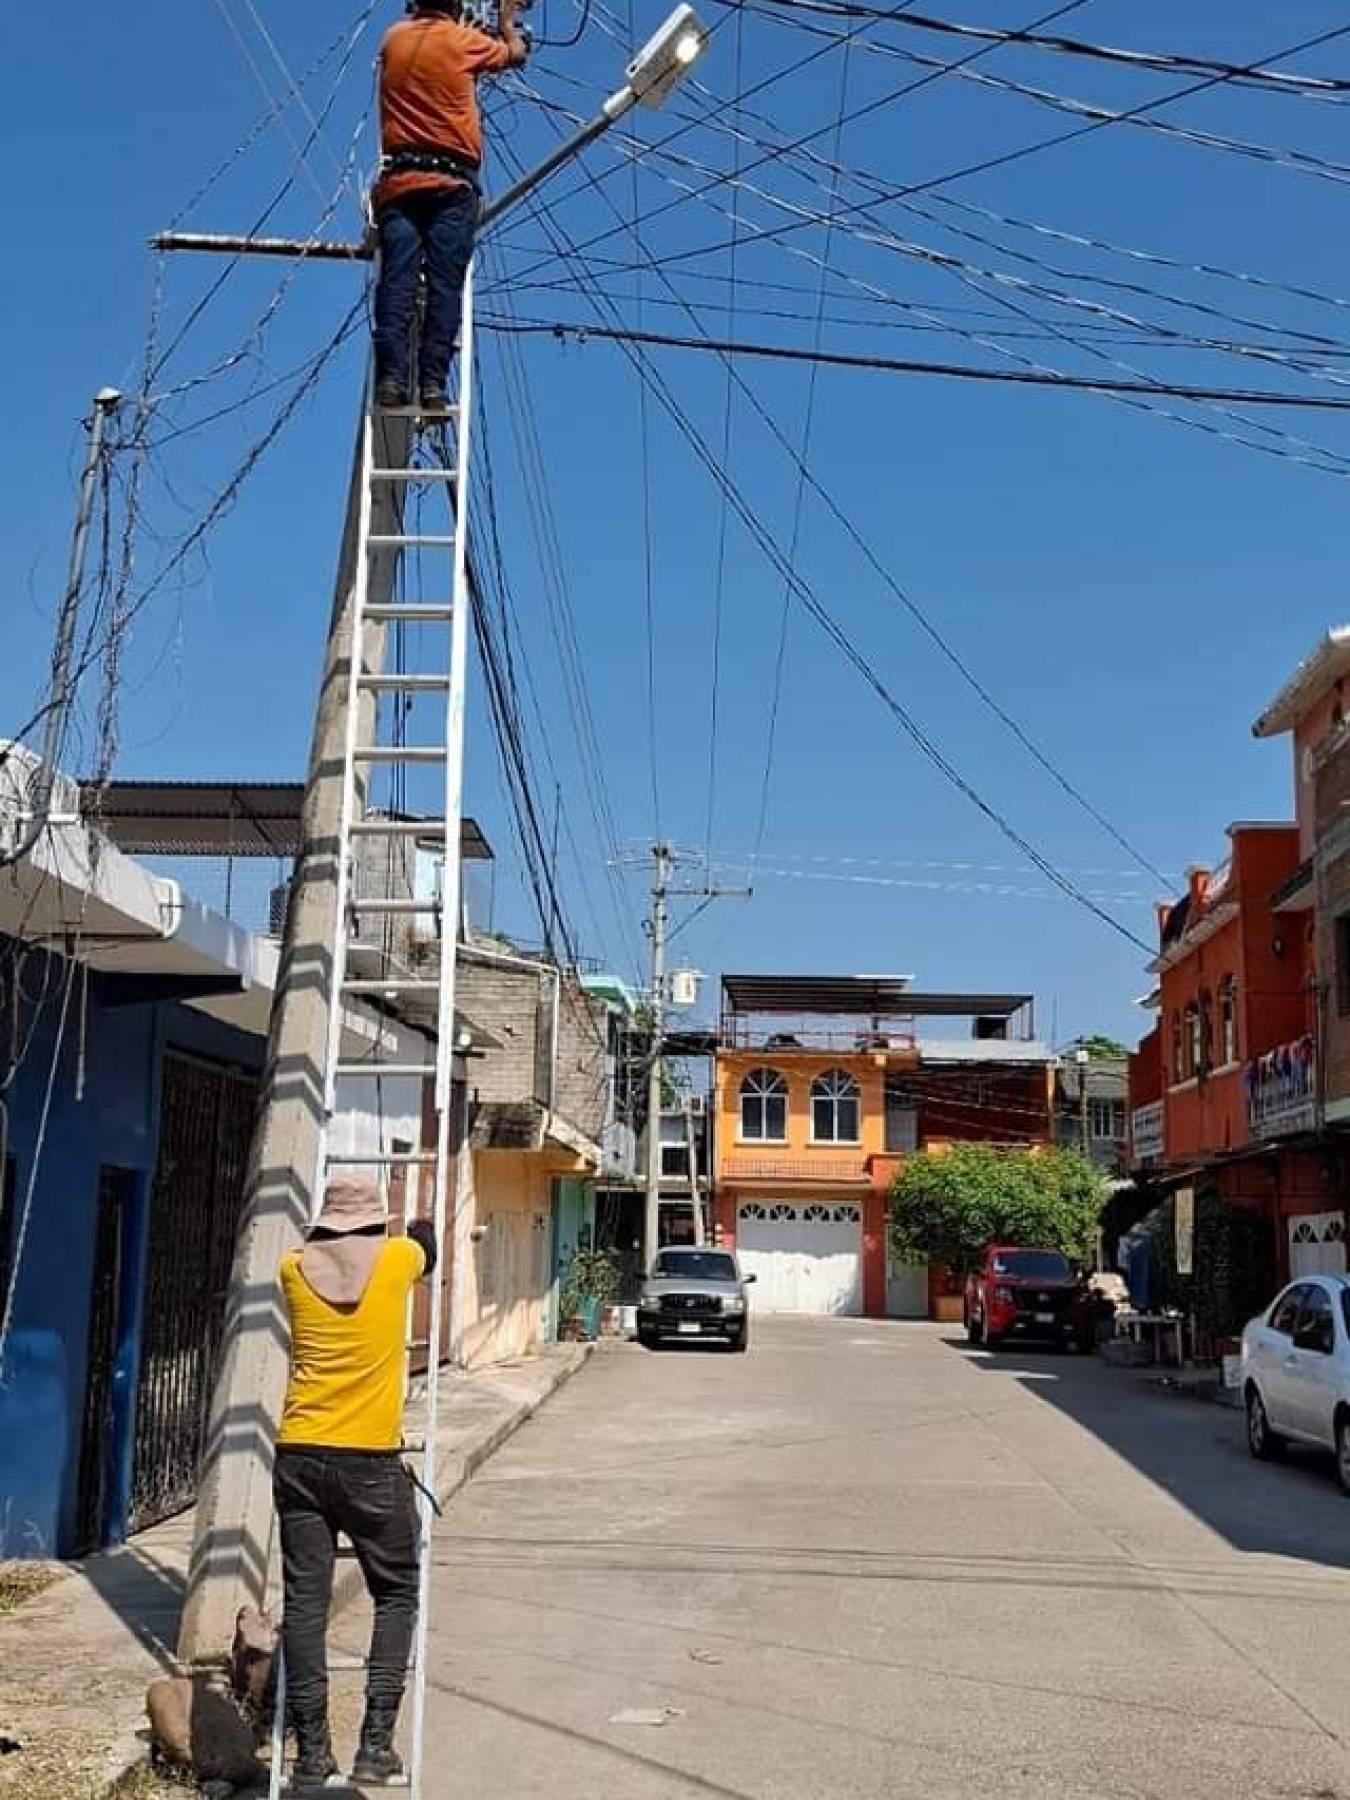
429, 233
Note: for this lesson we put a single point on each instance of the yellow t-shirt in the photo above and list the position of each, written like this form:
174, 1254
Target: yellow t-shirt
349, 1365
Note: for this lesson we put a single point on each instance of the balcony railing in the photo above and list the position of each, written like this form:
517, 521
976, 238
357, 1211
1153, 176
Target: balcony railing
1282, 1090
741, 1034
1146, 1132
760, 1167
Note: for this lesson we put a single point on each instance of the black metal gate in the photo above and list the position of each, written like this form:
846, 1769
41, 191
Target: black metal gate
206, 1123
115, 1190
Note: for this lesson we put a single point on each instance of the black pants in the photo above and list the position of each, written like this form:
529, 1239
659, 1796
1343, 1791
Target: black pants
368, 1497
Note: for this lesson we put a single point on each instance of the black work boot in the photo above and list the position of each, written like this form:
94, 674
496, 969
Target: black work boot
376, 1759
315, 1762
390, 394
435, 403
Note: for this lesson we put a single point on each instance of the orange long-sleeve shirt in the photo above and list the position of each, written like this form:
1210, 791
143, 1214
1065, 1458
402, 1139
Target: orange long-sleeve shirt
428, 71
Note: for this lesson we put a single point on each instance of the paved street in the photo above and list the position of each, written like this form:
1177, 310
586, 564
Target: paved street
863, 1561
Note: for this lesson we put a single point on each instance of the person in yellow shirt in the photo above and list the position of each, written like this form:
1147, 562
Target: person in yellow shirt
338, 1467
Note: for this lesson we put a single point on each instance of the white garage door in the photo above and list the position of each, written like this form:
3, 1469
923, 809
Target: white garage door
807, 1257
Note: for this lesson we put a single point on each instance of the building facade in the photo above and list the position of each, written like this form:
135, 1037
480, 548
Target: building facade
134, 1024
1241, 1090
1092, 1109
544, 1126
823, 1086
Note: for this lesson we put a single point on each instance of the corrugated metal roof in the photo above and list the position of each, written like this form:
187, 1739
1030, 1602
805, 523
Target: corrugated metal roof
984, 1050
218, 818
874, 996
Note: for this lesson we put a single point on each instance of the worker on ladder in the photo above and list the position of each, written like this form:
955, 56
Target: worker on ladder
338, 1467
426, 200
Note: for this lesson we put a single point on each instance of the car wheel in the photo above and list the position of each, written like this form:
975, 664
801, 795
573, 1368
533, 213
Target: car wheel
1343, 1450
974, 1329
1265, 1445
649, 1339
739, 1340
992, 1340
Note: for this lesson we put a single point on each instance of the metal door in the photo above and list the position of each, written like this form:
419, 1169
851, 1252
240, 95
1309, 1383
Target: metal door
116, 1188
806, 1258
206, 1123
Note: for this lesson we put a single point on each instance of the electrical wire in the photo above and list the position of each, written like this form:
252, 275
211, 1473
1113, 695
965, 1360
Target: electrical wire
1165, 62
835, 633
900, 365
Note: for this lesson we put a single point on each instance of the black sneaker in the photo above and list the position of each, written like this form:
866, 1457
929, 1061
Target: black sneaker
390, 394
435, 403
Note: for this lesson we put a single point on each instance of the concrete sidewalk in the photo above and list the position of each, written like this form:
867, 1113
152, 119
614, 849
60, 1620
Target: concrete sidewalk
76, 1660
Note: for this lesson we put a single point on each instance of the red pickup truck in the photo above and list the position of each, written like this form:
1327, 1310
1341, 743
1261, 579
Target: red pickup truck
1027, 1293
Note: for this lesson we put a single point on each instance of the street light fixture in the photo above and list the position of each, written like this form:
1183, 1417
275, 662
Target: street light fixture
659, 66
664, 59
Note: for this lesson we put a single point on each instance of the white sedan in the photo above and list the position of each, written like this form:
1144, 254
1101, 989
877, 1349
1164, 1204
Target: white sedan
1296, 1371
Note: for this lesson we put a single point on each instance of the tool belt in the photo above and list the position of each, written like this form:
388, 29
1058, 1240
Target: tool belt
420, 161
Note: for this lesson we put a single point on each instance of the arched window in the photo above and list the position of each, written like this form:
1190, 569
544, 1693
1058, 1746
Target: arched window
1228, 1038
835, 1110
764, 1098
1193, 1050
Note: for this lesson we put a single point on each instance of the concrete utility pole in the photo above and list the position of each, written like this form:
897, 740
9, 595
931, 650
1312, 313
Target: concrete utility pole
651, 1232
695, 1192
232, 1538
1083, 1059
234, 1523
106, 402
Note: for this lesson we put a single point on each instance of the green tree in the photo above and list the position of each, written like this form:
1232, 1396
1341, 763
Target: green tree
948, 1205
1101, 1048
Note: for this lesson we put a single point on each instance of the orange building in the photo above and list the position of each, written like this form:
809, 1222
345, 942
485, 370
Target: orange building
823, 1085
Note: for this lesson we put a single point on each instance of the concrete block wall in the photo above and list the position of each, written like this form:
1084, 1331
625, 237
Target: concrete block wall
585, 1070
514, 1005
505, 1002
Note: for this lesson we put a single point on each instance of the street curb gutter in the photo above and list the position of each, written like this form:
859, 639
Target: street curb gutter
459, 1466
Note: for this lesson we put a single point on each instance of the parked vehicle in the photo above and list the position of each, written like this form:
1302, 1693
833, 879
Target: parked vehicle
1296, 1371
694, 1292
1025, 1292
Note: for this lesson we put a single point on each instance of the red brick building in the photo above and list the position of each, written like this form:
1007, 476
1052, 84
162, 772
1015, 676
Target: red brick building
1242, 1089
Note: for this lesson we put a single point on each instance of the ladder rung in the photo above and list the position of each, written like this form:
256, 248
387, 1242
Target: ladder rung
410, 753
416, 412
412, 474
406, 540
401, 1159
398, 828
412, 1446
354, 1071
429, 986
434, 611
397, 684
395, 906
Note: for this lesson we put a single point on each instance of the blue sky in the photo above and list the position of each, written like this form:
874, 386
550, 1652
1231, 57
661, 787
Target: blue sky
1131, 590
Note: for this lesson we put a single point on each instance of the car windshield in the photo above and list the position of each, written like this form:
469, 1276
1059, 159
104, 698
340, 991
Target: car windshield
1038, 1265
697, 1265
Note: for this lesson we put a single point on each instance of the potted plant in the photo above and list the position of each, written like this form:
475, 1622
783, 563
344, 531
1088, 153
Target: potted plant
590, 1283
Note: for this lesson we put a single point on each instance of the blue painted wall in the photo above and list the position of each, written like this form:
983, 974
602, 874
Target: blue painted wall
115, 1122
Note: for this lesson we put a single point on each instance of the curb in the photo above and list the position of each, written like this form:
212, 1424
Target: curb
459, 1467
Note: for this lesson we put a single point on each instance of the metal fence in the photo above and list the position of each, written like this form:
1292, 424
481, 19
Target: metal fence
206, 1123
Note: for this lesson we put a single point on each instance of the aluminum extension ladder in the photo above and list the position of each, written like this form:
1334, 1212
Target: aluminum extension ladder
390, 475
